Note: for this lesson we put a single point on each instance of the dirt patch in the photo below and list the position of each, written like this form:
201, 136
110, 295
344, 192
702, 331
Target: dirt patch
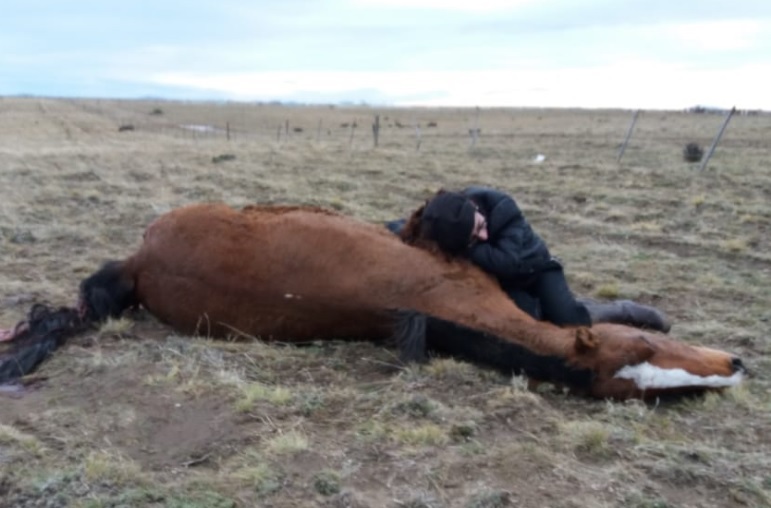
157, 426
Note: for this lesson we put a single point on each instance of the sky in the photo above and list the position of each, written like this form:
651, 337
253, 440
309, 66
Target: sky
651, 54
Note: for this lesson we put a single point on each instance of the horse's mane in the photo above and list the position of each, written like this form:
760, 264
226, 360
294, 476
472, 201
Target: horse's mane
413, 234
281, 209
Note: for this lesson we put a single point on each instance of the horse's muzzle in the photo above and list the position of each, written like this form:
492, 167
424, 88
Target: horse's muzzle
738, 366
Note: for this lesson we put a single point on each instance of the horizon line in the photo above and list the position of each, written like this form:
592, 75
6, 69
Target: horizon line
696, 108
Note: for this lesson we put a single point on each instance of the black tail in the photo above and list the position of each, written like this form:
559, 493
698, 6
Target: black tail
45, 329
106, 293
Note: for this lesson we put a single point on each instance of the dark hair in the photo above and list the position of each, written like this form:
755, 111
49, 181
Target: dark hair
448, 220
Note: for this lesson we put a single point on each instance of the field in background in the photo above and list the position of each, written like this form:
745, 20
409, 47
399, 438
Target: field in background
136, 415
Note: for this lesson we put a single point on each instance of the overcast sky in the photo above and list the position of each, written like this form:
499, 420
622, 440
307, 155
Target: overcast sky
579, 53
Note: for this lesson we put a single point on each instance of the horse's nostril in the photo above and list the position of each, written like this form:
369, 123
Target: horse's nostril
738, 364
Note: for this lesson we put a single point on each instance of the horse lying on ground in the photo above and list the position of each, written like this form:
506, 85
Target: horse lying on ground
300, 273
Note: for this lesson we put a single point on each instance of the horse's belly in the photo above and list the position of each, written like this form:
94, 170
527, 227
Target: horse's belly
192, 306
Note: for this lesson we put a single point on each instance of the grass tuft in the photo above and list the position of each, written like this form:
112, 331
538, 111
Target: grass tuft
416, 406
587, 437
422, 435
261, 478
326, 482
258, 392
287, 443
113, 468
11, 436
608, 290
116, 326
735, 245
490, 499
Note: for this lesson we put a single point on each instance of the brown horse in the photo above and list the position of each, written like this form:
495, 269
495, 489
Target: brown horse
298, 273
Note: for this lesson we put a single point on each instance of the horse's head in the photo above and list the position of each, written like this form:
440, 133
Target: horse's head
628, 362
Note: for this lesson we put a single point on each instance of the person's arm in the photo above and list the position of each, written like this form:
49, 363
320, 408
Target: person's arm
509, 255
513, 249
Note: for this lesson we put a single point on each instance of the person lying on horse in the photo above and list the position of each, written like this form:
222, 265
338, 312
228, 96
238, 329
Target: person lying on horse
487, 227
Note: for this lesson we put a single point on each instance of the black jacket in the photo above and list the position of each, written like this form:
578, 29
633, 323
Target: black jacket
513, 252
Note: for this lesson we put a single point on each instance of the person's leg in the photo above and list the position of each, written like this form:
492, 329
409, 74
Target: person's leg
627, 312
558, 305
561, 307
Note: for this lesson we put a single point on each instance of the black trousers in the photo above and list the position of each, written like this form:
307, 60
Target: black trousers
547, 297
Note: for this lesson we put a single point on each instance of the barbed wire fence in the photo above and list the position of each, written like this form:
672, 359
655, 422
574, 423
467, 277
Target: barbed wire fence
386, 132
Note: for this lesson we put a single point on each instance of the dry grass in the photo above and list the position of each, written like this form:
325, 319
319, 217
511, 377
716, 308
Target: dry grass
134, 415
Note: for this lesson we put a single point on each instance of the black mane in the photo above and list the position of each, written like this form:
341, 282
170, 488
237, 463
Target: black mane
416, 334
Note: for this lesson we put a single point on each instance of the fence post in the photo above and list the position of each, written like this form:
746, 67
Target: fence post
353, 130
376, 128
417, 137
474, 132
717, 138
227, 131
628, 134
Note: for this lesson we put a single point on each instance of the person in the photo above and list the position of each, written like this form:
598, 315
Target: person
487, 227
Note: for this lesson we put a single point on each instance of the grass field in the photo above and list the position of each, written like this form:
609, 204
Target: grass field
134, 414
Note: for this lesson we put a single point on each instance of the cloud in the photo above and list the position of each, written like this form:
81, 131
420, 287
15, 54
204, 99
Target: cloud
627, 83
725, 35
590, 53
446, 5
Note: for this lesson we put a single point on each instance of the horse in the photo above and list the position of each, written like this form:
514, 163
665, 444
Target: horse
295, 274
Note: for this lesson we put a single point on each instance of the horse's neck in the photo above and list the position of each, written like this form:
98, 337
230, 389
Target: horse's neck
464, 295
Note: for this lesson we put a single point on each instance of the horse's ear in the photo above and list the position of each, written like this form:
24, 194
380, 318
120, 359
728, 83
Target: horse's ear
647, 350
586, 340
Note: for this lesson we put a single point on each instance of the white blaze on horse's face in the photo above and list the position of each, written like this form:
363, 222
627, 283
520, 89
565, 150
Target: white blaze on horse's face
647, 377
629, 362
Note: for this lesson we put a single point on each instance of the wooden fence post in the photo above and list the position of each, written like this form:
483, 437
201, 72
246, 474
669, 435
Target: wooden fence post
628, 134
474, 132
353, 130
376, 128
227, 131
717, 138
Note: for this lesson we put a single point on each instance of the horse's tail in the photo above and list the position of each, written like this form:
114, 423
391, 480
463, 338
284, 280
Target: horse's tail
36, 337
108, 292
105, 294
